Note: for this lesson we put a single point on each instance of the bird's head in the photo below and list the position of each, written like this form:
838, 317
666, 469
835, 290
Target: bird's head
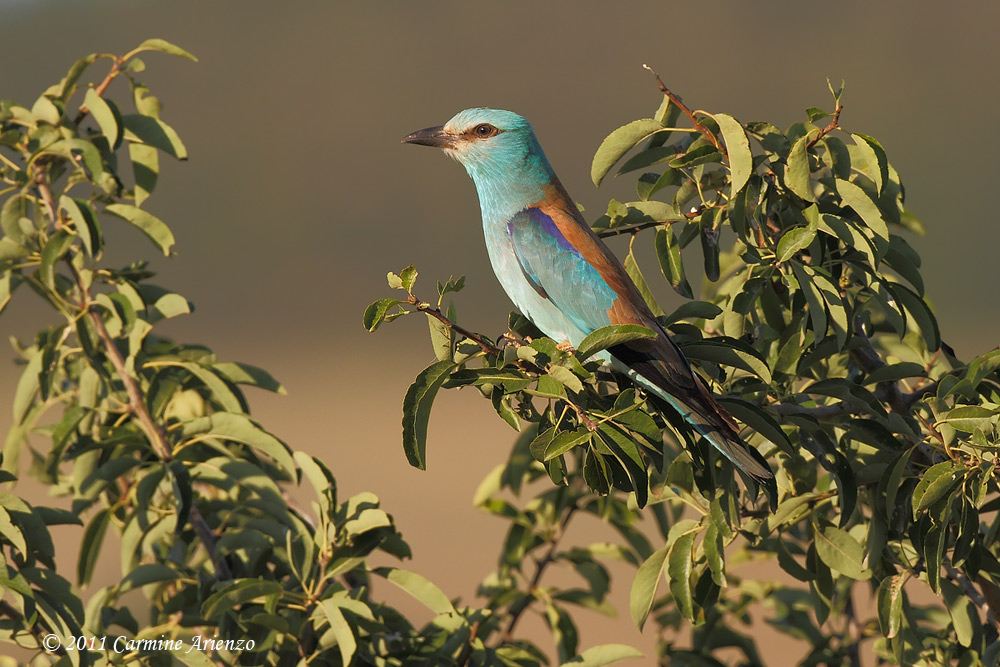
488, 142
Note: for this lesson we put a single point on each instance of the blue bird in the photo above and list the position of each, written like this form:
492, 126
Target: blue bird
564, 279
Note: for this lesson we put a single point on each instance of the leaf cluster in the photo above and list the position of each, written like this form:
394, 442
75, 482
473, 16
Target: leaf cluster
151, 446
813, 328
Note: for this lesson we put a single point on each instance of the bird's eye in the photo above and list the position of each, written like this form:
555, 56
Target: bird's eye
485, 131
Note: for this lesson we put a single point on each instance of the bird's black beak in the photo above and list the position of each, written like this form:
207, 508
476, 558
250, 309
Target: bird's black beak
431, 136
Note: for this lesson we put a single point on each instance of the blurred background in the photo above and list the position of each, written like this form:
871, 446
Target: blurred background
298, 196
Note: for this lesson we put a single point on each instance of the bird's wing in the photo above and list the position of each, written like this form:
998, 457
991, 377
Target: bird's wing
567, 264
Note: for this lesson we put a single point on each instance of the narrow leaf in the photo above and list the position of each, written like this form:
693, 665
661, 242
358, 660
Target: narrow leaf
417, 411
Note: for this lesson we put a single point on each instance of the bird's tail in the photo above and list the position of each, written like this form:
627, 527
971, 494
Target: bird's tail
713, 422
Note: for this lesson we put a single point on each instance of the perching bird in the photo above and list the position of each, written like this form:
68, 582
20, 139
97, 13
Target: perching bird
563, 278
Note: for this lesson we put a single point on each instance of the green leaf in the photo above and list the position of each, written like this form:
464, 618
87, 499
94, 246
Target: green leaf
814, 299
90, 547
240, 373
921, 314
834, 303
145, 168
84, 219
715, 555
964, 618
239, 593
699, 310
679, 566
644, 586
875, 154
150, 225
797, 173
10, 531
619, 142
89, 156
240, 428
790, 565
610, 336
696, 155
509, 378
144, 575
107, 117
565, 377
970, 417
442, 338
841, 552
605, 654
417, 411
347, 644
892, 479
853, 196
890, 605
728, 351
757, 419
218, 389
11, 214
10, 249
627, 453
793, 241
738, 147
936, 482
154, 132
896, 372
668, 252
565, 441
419, 587
635, 273
375, 313
163, 46
57, 246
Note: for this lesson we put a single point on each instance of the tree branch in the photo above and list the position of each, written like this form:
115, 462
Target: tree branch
834, 124
633, 229
518, 609
485, 344
687, 112
116, 69
970, 591
136, 405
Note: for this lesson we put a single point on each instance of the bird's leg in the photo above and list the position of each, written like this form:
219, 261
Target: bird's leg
566, 346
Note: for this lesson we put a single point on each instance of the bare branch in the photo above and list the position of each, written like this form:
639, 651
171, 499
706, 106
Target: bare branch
485, 344
687, 112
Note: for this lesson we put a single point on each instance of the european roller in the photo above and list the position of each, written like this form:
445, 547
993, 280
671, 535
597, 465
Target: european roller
563, 278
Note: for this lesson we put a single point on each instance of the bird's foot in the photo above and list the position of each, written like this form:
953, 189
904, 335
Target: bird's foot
566, 346
511, 338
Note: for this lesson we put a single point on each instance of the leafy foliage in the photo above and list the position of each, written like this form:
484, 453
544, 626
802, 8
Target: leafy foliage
814, 329
152, 441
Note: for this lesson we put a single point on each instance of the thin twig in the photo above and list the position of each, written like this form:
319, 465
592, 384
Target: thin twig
633, 229
518, 609
687, 112
463, 658
116, 69
834, 124
484, 343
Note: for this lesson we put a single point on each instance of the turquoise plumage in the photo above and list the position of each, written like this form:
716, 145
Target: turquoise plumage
563, 278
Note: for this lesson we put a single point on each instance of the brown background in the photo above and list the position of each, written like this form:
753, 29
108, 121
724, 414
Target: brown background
298, 196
